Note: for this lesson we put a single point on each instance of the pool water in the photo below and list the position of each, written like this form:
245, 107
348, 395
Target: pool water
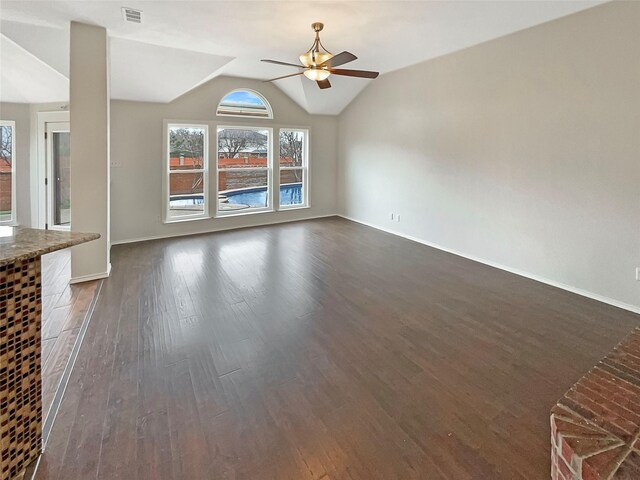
290, 194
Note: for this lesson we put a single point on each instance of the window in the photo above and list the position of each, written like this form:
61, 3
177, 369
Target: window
244, 103
244, 169
293, 168
7, 172
187, 166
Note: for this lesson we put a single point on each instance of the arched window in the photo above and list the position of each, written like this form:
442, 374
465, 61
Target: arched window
244, 103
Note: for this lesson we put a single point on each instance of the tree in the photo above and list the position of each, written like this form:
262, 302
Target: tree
232, 141
189, 143
291, 146
6, 144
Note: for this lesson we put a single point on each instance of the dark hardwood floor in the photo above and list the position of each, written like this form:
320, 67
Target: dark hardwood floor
320, 350
64, 308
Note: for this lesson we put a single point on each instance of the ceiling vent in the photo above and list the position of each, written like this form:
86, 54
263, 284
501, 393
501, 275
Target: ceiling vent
131, 15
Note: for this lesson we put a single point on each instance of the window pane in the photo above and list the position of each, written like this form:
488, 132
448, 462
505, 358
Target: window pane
291, 148
62, 182
291, 187
242, 148
241, 190
243, 103
186, 194
186, 148
6, 172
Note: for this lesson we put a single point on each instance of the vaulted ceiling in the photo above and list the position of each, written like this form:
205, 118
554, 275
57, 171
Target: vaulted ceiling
181, 44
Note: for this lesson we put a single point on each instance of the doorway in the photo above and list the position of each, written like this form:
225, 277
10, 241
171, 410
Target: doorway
57, 176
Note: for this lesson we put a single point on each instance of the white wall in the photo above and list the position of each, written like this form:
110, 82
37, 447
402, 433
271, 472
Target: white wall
19, 113
137, 144
523, 151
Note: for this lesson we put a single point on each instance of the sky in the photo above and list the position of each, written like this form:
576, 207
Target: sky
242, 97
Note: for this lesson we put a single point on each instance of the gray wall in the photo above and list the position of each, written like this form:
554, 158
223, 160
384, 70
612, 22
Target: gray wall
137, 144
523, 152
20, 113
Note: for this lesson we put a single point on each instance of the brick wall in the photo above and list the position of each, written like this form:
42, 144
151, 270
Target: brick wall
230, 180
595, 426
182, 183
5, 191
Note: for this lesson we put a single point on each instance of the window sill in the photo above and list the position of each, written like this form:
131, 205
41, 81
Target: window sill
242, 214
185, 219
59, 228
237, 214
285, 208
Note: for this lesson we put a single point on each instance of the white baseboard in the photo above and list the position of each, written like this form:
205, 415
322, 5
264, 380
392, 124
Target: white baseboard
223, 229
537, 278
88, 278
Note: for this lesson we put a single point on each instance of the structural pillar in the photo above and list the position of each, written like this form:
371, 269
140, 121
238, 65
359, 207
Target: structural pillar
90, 149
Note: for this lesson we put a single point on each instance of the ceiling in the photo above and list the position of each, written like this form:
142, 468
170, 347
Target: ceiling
181, 44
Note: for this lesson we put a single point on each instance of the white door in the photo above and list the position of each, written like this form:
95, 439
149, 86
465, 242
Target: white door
57, 180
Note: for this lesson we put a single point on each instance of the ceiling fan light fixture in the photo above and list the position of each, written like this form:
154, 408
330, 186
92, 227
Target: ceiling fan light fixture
316, 74
312, 59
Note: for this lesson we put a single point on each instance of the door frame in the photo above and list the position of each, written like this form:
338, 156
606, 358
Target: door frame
41, 168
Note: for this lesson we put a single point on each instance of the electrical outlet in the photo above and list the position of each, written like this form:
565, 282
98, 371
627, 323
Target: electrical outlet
393, 215
638, 273
115, 164
398, 218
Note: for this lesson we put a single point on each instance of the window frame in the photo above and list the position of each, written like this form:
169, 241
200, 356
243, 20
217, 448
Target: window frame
271, 207
13, 219
240, 115
168, 124
304, 168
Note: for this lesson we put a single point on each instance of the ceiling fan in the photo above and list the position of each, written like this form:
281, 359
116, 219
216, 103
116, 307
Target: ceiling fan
318, 63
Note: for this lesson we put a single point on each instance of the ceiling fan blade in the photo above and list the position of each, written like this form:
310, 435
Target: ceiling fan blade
283, 63
339, 59
284, 76
354, 73
323, 84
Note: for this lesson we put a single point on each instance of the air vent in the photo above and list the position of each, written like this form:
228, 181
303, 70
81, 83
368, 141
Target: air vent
131, 15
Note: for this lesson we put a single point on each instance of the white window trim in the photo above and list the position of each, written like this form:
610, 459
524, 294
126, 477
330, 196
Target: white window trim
304, 168
271, 181
12, 124
39, 164
167, 172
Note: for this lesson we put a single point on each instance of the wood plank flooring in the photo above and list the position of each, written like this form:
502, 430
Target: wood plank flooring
64, 308
320, 350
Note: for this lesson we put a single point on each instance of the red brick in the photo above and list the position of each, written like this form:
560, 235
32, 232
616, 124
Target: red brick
564, 469
596, 424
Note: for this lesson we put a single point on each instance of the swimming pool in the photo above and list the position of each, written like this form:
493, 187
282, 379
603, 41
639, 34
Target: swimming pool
290, 194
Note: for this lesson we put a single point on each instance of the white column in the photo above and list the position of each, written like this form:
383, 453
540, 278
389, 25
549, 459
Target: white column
90, 155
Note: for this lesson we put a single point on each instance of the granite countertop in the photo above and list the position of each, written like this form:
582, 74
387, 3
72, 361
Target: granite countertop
20, 243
